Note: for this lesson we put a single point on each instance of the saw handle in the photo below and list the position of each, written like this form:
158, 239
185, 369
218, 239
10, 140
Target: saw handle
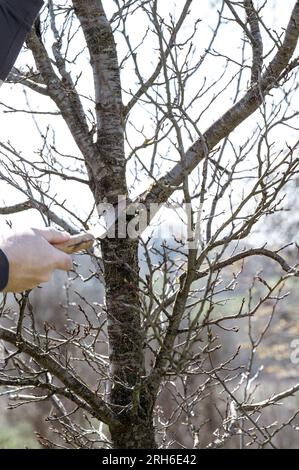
76, 243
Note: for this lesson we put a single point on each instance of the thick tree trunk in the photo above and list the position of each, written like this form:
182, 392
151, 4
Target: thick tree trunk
126, 341
120, 255
137, 435
121, 274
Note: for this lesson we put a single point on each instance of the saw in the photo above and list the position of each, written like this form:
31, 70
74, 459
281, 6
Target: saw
85, 241
76, 243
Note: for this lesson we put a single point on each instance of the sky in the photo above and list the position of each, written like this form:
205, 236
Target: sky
23, 131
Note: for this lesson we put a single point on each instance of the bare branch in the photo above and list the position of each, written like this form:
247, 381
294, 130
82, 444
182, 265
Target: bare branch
101, 409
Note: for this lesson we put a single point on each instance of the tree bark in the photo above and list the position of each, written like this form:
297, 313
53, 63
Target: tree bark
120, 255
131, 395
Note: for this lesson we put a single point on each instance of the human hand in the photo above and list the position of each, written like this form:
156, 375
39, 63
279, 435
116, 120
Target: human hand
32, 258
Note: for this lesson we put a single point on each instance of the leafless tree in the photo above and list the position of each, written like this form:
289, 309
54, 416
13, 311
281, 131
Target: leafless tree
186, 115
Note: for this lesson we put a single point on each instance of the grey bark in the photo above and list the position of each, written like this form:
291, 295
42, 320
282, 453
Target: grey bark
132, 396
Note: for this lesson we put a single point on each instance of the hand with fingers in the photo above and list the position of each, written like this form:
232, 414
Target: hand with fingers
29, 258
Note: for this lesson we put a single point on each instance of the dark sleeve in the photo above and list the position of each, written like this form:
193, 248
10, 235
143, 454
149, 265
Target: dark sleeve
16, 19
4, 270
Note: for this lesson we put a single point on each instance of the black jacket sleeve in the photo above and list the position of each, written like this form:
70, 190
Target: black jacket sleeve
4, 270
16, 19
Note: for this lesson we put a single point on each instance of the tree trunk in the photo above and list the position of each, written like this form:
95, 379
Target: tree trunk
127, 396
128, 399
136, 435
120, 255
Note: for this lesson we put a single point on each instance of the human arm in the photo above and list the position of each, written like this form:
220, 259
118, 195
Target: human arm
16, 20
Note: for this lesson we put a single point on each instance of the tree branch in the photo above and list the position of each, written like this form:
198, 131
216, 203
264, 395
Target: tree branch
63, 93
100, 408
256, 41
149, 82
33, 204
270, 401
162, 189
245, 254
